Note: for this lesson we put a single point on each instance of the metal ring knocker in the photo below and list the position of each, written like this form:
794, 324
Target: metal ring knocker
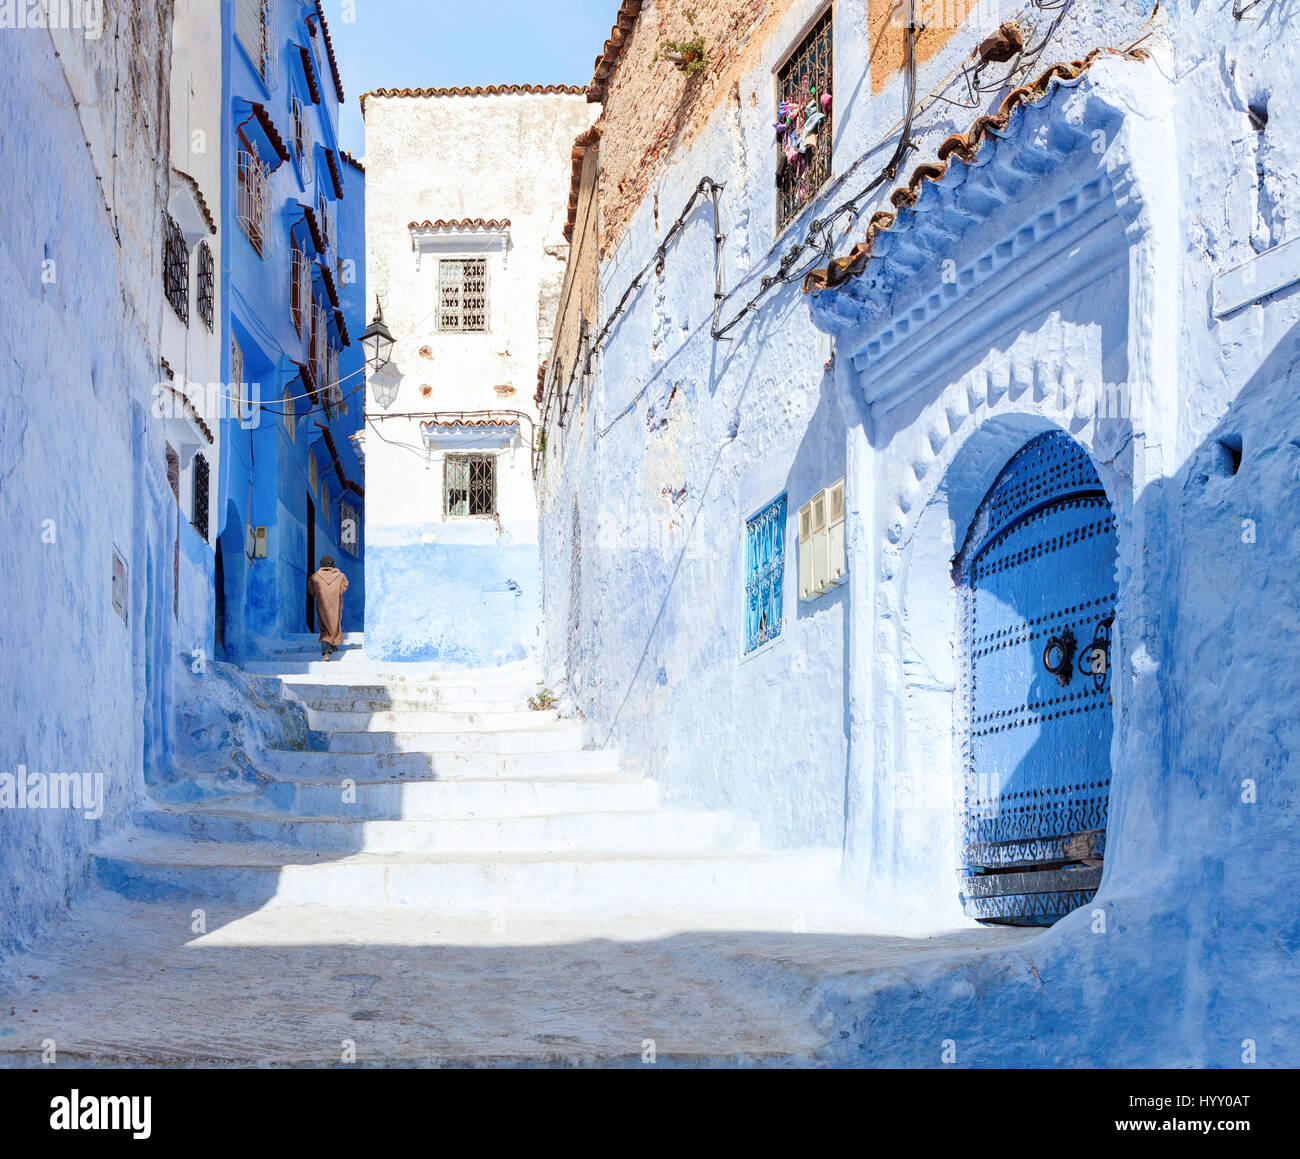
1058, 656
1095, 660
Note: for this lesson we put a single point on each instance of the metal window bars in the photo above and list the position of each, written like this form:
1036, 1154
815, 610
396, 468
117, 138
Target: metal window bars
317, 345
254, 200
470, 485
199, 515
236, 376
802, 81
462, 295
255, 25
764, 574
207, 295
324, 218
300, 290
302, 146
176, 269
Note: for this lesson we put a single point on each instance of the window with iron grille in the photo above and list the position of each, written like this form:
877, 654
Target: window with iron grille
470, 485
236, 377
462, 294
176, 268
349, 528
255, 22
301, 139
323, 218
804, 145
207, 284
199, 512
300, 289
764, 574
254, 197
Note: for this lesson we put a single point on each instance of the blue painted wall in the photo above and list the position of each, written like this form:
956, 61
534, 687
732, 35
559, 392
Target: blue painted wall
265, 473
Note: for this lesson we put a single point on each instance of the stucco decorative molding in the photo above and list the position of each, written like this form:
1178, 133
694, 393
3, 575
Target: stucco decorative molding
469, 235
189, 209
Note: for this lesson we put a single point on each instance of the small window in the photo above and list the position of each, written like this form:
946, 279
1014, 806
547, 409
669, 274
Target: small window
255, 22
176, 269
470, 485
349, 528
764, 574
207, 285
299, 288
821, 543
290, 416
804, 83
199, 511
254, 196
236, 377
462, 294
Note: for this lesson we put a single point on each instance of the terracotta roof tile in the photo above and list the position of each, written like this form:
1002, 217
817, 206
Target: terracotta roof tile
351, 160
336, 176
477, 91
190, 410
961, 147
310, 69
267, 123
198, 196
607, 61
329, 51
348, 485
585, 141
464, 223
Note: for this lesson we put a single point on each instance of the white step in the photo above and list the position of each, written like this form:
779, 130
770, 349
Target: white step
413, 697
409, 721
556, 738
654, 831
151, 866
405, 800
351, 664
304, 764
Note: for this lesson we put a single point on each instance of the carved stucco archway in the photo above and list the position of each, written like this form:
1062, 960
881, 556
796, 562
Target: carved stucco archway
1063, 240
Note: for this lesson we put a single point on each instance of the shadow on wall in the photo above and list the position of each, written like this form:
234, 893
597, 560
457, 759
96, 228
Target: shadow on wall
1187, 955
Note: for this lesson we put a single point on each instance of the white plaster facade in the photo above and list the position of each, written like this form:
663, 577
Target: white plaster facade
455, 176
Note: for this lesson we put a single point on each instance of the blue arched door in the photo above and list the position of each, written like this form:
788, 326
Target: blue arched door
1037, 579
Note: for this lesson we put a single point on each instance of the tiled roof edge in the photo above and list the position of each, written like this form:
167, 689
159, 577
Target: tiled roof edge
607, 61
961, 147
478, 91
584, 142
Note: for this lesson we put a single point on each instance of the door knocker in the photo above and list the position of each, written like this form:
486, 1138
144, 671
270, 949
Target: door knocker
1095, 660
1058, 656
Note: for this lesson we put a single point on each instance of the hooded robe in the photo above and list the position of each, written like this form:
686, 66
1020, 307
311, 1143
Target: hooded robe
326, 587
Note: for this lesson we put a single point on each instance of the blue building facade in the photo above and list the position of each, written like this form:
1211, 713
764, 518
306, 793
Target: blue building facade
293, 308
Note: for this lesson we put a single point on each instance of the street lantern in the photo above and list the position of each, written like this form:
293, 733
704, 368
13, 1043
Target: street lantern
377, 340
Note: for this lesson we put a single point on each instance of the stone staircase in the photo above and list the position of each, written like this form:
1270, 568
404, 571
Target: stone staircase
443, 789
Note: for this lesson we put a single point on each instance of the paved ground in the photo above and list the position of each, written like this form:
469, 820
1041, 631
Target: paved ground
125, 983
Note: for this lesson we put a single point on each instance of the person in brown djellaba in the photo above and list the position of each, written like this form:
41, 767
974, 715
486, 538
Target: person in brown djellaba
326, 586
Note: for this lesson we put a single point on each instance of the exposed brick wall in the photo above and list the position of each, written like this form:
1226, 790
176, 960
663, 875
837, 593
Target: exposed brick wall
652, 107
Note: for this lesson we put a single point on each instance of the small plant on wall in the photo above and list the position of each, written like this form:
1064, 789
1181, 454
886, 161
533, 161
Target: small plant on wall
688, 55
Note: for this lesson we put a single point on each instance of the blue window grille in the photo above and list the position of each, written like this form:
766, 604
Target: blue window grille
764, 572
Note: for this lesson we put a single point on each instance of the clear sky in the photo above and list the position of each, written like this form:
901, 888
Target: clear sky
441, 43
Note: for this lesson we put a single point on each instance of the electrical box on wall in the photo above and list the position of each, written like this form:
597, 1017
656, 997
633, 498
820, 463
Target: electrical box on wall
821, 543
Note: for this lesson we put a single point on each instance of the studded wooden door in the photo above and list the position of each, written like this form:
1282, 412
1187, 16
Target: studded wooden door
1037, 577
